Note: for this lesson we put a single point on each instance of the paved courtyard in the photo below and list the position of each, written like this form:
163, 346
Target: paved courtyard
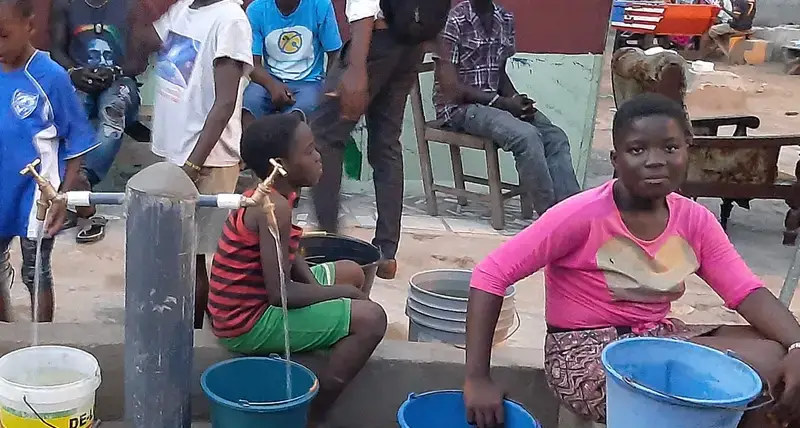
90, 284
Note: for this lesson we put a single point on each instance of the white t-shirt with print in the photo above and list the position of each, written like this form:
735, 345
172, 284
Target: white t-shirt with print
192, 40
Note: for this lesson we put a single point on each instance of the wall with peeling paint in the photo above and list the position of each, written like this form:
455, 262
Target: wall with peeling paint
564, 86
565, 89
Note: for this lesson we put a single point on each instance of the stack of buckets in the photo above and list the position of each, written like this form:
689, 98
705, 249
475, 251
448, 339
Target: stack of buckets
48, 386
437, 312
437, 308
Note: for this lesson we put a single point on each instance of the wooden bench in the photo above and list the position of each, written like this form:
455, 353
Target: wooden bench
499, 191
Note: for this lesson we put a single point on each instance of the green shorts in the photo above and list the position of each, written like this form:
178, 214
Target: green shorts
318, 326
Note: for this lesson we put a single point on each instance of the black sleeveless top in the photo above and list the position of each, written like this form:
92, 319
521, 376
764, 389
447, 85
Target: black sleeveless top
98, 32
747, 10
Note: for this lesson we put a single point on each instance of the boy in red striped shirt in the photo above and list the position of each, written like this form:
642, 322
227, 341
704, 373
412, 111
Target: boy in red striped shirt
327, 308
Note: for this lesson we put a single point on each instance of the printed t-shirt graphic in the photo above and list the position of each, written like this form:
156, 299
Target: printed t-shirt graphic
97, 35
176, 59
290, 52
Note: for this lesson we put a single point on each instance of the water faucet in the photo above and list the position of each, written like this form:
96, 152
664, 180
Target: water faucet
47, 193
261, 195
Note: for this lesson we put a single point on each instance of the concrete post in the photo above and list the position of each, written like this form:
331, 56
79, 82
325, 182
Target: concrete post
160, 251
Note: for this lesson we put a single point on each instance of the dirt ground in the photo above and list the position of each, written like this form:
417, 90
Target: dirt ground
90, 284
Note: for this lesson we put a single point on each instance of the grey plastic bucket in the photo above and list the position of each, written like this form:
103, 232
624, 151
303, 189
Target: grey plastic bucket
437, 308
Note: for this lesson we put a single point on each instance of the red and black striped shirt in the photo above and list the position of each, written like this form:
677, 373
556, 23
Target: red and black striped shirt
237, 296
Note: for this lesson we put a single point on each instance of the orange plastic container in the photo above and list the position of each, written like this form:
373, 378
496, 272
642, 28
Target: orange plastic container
663, 18
687, 19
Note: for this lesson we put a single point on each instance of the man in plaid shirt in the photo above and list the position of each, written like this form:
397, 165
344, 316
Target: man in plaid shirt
473, 94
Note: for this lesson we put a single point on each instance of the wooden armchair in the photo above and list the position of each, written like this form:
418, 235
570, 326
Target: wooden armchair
740, 168
736, 168
499, 192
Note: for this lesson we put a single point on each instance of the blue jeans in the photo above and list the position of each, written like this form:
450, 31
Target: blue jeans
258, 102
111, 111
540, 149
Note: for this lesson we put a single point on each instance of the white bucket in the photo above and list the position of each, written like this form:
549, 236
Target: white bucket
55, 384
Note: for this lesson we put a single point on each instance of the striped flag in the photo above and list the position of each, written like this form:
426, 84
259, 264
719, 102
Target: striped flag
640, 17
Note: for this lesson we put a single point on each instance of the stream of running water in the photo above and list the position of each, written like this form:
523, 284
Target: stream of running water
37, 278
284, 306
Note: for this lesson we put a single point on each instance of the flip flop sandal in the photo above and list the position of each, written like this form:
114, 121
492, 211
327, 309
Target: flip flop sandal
71, 220
95, 231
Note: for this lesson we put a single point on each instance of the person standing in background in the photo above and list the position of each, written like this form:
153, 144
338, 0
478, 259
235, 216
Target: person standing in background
372, 78
88, 39
204, 61
43, 120
290, 40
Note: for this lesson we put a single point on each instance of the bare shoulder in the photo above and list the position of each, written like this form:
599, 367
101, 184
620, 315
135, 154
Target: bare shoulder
280, 205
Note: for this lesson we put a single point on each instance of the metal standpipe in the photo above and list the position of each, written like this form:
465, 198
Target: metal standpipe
160, 251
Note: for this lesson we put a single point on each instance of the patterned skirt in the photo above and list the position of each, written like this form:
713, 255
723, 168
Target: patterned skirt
575, 373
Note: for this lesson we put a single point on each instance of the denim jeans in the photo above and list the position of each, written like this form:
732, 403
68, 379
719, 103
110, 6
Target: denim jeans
540, 149
28, 247
391, 70
111, 110
258, 101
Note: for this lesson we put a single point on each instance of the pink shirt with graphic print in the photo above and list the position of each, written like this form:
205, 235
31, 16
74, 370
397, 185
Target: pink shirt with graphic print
598, 274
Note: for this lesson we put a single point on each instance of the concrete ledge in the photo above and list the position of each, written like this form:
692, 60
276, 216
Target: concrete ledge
777, 36
397, 369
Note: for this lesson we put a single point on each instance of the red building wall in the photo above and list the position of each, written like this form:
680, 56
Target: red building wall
543, 26
547, 26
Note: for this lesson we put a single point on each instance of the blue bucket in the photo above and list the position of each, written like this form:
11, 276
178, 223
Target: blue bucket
667, 383
251, 392
445, 409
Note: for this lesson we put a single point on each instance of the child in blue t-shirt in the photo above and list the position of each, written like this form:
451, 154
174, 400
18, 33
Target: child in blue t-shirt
42, 118
290, 40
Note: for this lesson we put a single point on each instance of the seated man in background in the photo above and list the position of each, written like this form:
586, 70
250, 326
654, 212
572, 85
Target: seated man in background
474, 94
735, 19
88, 39
290, 40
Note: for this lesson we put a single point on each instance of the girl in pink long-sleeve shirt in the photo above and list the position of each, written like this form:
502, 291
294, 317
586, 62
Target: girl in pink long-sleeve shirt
614, 258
